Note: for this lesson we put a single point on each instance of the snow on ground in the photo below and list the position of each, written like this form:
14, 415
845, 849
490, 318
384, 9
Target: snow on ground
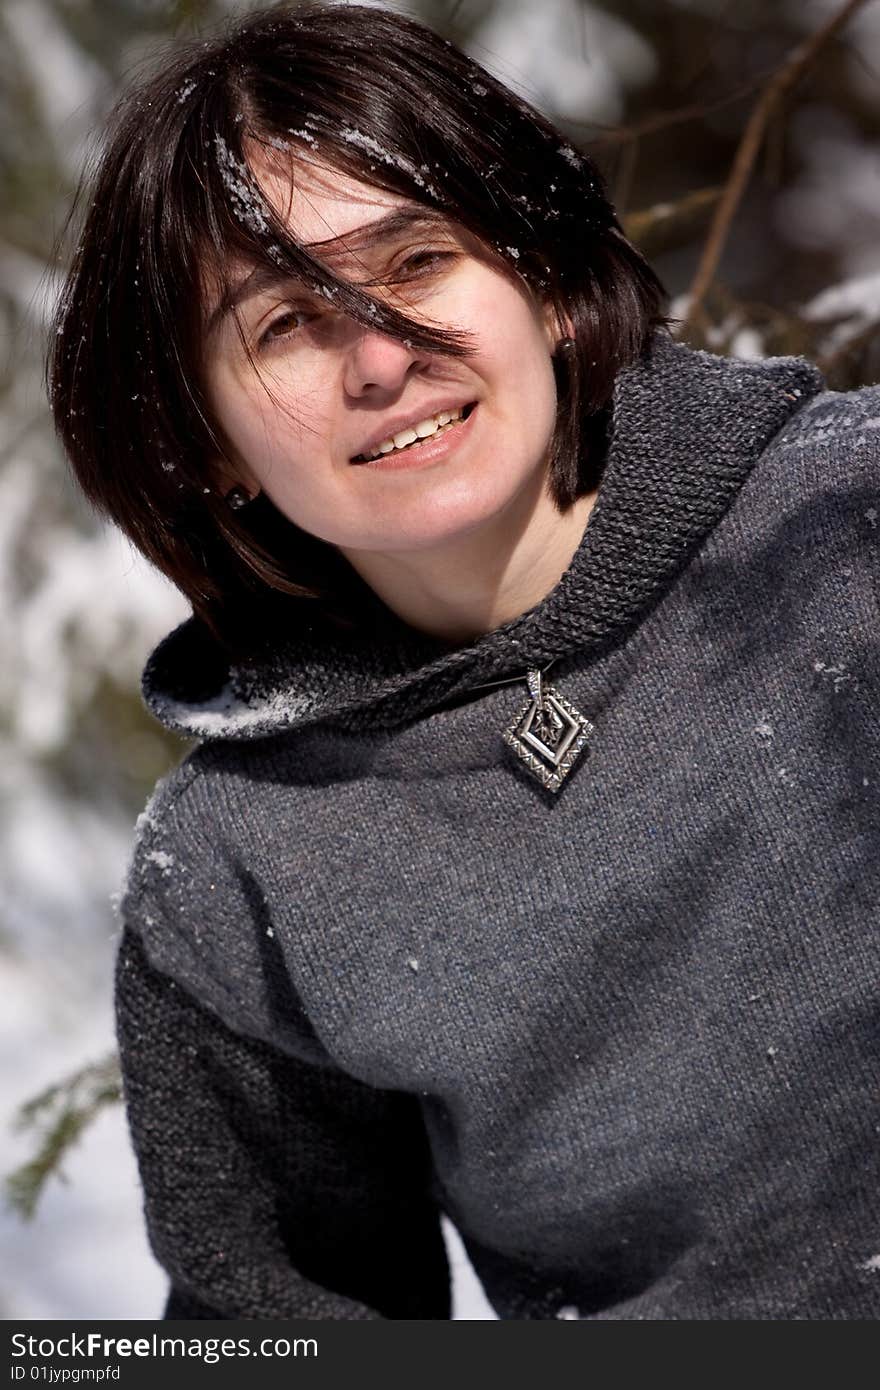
84, 1254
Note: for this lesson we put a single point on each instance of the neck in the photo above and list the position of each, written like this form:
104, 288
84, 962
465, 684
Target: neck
461, 589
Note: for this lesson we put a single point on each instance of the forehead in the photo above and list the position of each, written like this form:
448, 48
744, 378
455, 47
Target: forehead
316, 201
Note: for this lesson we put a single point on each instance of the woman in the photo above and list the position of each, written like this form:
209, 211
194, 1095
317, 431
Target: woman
589, 965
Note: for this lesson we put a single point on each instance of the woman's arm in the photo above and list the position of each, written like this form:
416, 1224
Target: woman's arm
273, 1188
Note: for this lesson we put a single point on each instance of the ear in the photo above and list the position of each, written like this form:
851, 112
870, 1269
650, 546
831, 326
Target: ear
225, 477
556, 326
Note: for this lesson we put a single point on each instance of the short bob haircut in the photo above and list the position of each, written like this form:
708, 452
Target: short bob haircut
380, 98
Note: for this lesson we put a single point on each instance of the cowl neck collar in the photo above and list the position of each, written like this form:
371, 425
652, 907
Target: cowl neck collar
686, 429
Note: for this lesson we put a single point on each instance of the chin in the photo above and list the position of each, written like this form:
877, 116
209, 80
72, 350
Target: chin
438, 520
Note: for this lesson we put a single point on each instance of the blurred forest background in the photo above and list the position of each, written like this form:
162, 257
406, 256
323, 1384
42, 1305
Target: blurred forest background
750, 176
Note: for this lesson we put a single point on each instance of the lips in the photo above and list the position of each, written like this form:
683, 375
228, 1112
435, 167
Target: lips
439, 447
407, 431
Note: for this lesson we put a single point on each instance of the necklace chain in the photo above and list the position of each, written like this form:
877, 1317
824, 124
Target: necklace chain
511, 680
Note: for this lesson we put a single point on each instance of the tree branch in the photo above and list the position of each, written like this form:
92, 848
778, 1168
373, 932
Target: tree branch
662, 120
666, 226
784, 79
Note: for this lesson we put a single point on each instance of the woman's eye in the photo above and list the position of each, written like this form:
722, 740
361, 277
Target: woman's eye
283, 326
422, 261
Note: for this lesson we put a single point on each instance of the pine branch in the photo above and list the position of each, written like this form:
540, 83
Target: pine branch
59, 1115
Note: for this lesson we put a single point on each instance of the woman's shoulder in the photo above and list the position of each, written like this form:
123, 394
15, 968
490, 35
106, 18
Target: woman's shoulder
181, 868
840, 430
210, 799
195, 898
182, 826
824, 477
805, 526
819, 475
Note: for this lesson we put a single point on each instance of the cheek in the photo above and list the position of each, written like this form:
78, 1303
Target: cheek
268, 422
524, 374
514, 343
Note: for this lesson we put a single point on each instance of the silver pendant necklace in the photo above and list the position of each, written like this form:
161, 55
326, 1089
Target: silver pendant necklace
548, 733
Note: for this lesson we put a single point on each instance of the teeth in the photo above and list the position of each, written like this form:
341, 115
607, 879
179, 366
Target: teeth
423, 430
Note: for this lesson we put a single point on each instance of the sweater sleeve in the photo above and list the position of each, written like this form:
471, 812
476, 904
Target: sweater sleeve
273, 1187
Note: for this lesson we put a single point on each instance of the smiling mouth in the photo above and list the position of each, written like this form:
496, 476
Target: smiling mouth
431, 428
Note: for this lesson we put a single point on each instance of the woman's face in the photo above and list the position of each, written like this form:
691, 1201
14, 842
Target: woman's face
310, 394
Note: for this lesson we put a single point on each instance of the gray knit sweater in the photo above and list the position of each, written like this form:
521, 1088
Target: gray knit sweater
627, 1035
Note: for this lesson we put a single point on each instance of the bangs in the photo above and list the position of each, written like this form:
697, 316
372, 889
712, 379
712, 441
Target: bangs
238, 227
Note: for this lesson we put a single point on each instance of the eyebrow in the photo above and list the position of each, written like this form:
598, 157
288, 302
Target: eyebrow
264, 277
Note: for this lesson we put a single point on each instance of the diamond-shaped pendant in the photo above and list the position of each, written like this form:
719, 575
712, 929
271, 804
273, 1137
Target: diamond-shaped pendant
548, 733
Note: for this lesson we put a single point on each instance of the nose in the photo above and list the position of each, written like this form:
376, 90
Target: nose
375, 363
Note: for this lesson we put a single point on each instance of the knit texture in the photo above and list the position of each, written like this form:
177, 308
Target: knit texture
295, 1167
626, 1036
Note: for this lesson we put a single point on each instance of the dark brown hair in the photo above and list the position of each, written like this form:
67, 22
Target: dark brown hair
381, 98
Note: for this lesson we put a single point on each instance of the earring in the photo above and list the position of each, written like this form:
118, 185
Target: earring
565, 345
237, 497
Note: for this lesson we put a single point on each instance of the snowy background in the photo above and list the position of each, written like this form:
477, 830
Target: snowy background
78, 610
